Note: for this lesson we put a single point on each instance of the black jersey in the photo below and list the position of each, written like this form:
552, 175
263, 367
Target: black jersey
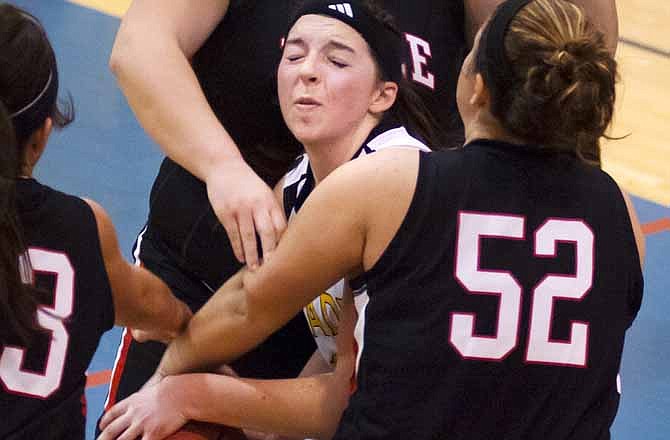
434, 32
42, 394
498, 310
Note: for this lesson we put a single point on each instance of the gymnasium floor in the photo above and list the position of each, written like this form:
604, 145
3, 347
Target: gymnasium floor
106, 156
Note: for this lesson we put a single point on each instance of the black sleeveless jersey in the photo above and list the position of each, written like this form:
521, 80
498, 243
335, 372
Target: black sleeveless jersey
498, 310
42, 394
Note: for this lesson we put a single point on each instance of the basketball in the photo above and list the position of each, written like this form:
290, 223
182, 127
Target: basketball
207, 431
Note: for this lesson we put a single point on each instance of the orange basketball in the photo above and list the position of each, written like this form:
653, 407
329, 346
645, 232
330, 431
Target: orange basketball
207, 431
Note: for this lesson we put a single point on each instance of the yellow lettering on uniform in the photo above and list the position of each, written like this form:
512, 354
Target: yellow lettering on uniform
315, 322
328, 302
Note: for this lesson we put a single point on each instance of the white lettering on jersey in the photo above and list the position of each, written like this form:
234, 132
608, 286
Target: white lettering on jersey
35, 384
344, 8
541, 349
420, 50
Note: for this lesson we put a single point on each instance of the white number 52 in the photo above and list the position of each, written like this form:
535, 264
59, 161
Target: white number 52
541, 349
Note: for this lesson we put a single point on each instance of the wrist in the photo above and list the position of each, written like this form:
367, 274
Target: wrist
222, 164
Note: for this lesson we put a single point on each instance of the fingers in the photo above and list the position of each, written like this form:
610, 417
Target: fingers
112, 413
279, 222
245, 222
229, 223
266, 231
117, 428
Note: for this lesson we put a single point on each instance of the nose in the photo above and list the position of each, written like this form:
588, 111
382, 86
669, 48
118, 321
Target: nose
309, 70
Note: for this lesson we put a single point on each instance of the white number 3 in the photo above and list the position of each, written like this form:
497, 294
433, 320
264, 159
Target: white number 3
34, 384
540, 348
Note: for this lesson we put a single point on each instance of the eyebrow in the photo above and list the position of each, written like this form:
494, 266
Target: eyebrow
331, 44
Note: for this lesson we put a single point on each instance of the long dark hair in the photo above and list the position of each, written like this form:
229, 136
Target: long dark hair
28, 93
18, 300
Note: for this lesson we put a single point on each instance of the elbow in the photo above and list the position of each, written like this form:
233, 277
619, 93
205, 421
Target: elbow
130, 46
121, 54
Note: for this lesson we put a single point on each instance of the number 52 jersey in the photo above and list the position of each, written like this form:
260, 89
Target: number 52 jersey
499, 309
42, 393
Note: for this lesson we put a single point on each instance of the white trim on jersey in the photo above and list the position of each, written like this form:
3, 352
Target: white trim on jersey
361, 303
297, 172
396, 138
138, 243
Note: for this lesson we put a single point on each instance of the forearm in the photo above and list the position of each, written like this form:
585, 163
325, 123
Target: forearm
159, 311
304, 407
220, 332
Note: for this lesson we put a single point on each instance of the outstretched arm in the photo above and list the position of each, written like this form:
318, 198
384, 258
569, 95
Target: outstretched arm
337, 232
141, 299
297, 408
150, 60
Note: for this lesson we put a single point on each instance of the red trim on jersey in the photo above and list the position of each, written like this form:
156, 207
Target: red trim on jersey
84, 406
118, 369
353, 385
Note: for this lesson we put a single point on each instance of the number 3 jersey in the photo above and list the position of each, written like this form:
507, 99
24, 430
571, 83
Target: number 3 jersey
499, 308
42, 394
323, 314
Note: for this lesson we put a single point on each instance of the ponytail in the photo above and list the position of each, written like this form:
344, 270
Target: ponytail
18, 301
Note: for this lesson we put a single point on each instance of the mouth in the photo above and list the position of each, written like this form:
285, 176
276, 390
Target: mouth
307, 103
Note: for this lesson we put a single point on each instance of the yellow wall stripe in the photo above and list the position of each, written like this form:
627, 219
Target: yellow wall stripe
112, 7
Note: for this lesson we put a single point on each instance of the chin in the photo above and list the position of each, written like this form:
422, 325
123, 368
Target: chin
305, 134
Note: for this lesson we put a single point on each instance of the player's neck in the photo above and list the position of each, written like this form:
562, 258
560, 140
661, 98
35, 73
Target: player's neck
327, 155
487, 127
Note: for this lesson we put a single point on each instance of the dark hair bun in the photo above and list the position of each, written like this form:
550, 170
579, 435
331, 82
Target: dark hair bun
563, 97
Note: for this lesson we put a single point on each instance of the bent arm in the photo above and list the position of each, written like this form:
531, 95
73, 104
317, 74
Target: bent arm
141, 299
150, 60
602, 14
322, 245
303, 407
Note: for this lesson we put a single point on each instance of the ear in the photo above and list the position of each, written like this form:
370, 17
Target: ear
36, 144
384, 97
480, 96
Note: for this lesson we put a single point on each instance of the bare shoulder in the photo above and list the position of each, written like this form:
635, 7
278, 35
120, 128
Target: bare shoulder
382, 167
106, 231
101, 216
